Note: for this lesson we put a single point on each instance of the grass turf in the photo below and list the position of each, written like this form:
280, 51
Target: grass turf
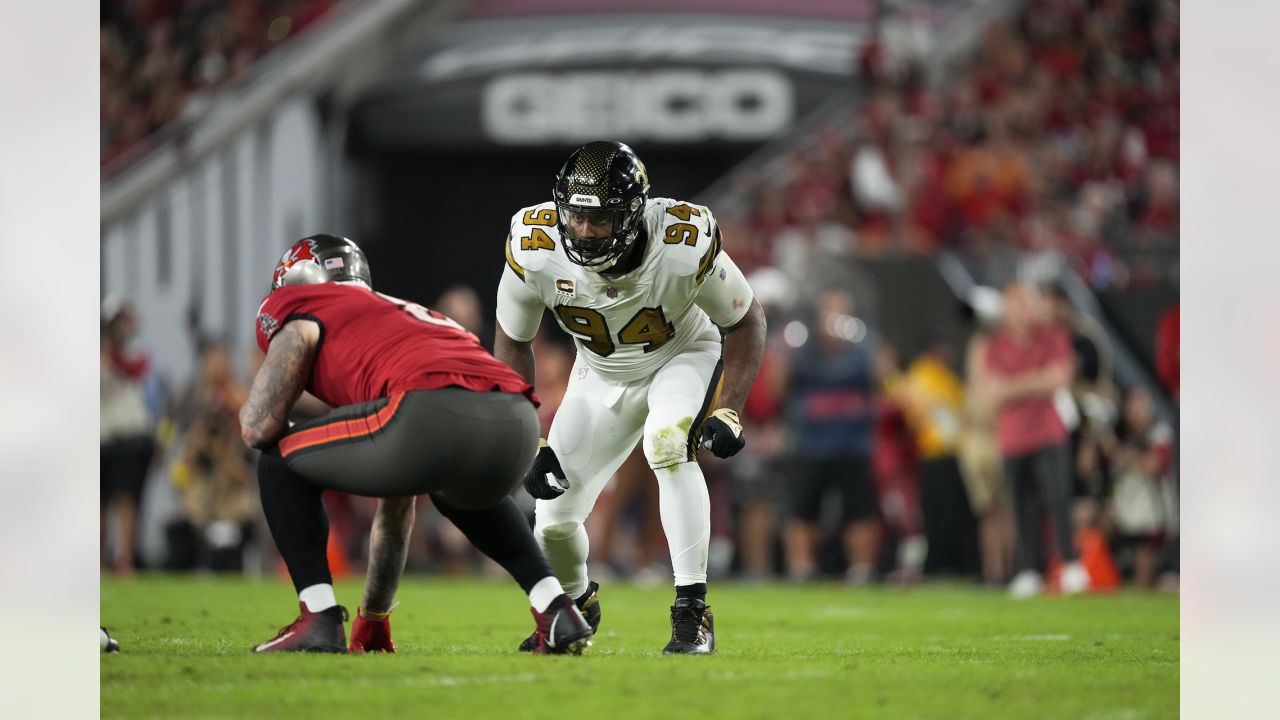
784, 652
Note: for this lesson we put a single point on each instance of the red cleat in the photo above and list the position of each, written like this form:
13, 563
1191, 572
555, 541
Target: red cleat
561, 629
311, 632
371, 634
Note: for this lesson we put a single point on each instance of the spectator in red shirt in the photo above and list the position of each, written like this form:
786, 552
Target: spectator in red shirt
1028, 362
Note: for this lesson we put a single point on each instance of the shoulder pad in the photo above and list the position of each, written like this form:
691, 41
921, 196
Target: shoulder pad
687, 233
533, 239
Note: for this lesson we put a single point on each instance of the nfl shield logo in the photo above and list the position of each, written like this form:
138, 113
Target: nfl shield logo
612, 293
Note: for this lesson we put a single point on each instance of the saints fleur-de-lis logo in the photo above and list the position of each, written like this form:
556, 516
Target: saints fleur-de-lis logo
642, 175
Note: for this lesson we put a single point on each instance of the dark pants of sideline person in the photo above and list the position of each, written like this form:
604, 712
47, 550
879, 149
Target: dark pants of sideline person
1048, 471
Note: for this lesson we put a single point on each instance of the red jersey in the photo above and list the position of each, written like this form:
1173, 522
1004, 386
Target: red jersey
373, 345
1028, 424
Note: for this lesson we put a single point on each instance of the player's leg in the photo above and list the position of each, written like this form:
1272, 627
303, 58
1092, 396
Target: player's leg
388, 549
335, 452
502, 533
469, 450
596, 427
680, 396
488, 440
490, 519
300, 528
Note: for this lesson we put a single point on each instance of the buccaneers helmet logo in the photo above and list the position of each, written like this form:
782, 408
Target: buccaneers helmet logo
301, 250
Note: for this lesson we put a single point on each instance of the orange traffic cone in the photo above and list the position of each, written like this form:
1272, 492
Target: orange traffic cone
1097, 561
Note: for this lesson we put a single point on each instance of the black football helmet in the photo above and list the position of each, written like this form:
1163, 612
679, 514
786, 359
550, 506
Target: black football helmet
321, 259
600, 195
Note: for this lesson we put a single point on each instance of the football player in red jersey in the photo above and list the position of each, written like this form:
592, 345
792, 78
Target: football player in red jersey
419, 407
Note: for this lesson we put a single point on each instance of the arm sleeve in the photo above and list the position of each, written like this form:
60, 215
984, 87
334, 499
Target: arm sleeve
725, 295
519, 308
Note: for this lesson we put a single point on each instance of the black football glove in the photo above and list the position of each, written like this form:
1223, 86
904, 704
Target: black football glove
722, 433
545, 480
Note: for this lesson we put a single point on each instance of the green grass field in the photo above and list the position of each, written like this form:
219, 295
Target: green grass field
783, 652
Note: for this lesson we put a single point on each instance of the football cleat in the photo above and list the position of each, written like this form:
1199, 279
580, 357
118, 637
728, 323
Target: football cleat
589, 604
693, 628
371, 634
561, 629
311, 632
107, 643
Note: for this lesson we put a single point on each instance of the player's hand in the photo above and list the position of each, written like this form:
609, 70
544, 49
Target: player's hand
722, 433
545, 480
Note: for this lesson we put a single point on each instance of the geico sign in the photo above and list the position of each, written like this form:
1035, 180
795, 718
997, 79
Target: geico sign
664, 105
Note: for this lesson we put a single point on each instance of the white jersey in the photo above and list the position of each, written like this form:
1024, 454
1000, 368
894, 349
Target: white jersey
628, 327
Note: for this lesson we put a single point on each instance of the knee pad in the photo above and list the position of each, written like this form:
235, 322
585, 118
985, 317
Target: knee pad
667, 446
556, 530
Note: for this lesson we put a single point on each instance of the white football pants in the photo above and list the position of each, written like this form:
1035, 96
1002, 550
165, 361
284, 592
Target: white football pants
594, 430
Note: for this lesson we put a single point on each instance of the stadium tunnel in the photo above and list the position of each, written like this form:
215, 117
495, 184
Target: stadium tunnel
473, 127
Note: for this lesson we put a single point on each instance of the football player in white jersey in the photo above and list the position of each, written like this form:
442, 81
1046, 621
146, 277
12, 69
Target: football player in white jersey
669, 338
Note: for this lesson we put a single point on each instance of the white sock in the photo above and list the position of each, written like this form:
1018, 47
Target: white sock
566, 547
685, 507
318, 597
546, 590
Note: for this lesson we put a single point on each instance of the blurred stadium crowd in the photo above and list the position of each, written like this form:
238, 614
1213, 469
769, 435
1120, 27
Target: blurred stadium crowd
1059, 137
1060, 134
158, 56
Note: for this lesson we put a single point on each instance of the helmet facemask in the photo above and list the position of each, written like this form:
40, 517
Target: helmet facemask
596, 237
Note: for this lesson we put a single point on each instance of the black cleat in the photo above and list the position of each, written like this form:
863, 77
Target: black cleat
106, 642
311, 632
561, 629
589, 604
693, 628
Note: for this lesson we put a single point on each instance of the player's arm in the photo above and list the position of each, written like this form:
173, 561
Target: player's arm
279, 383
518, 316
743, 351
515, 354
730, 303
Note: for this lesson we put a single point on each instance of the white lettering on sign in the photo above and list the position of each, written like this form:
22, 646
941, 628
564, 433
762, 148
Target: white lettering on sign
660, 105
